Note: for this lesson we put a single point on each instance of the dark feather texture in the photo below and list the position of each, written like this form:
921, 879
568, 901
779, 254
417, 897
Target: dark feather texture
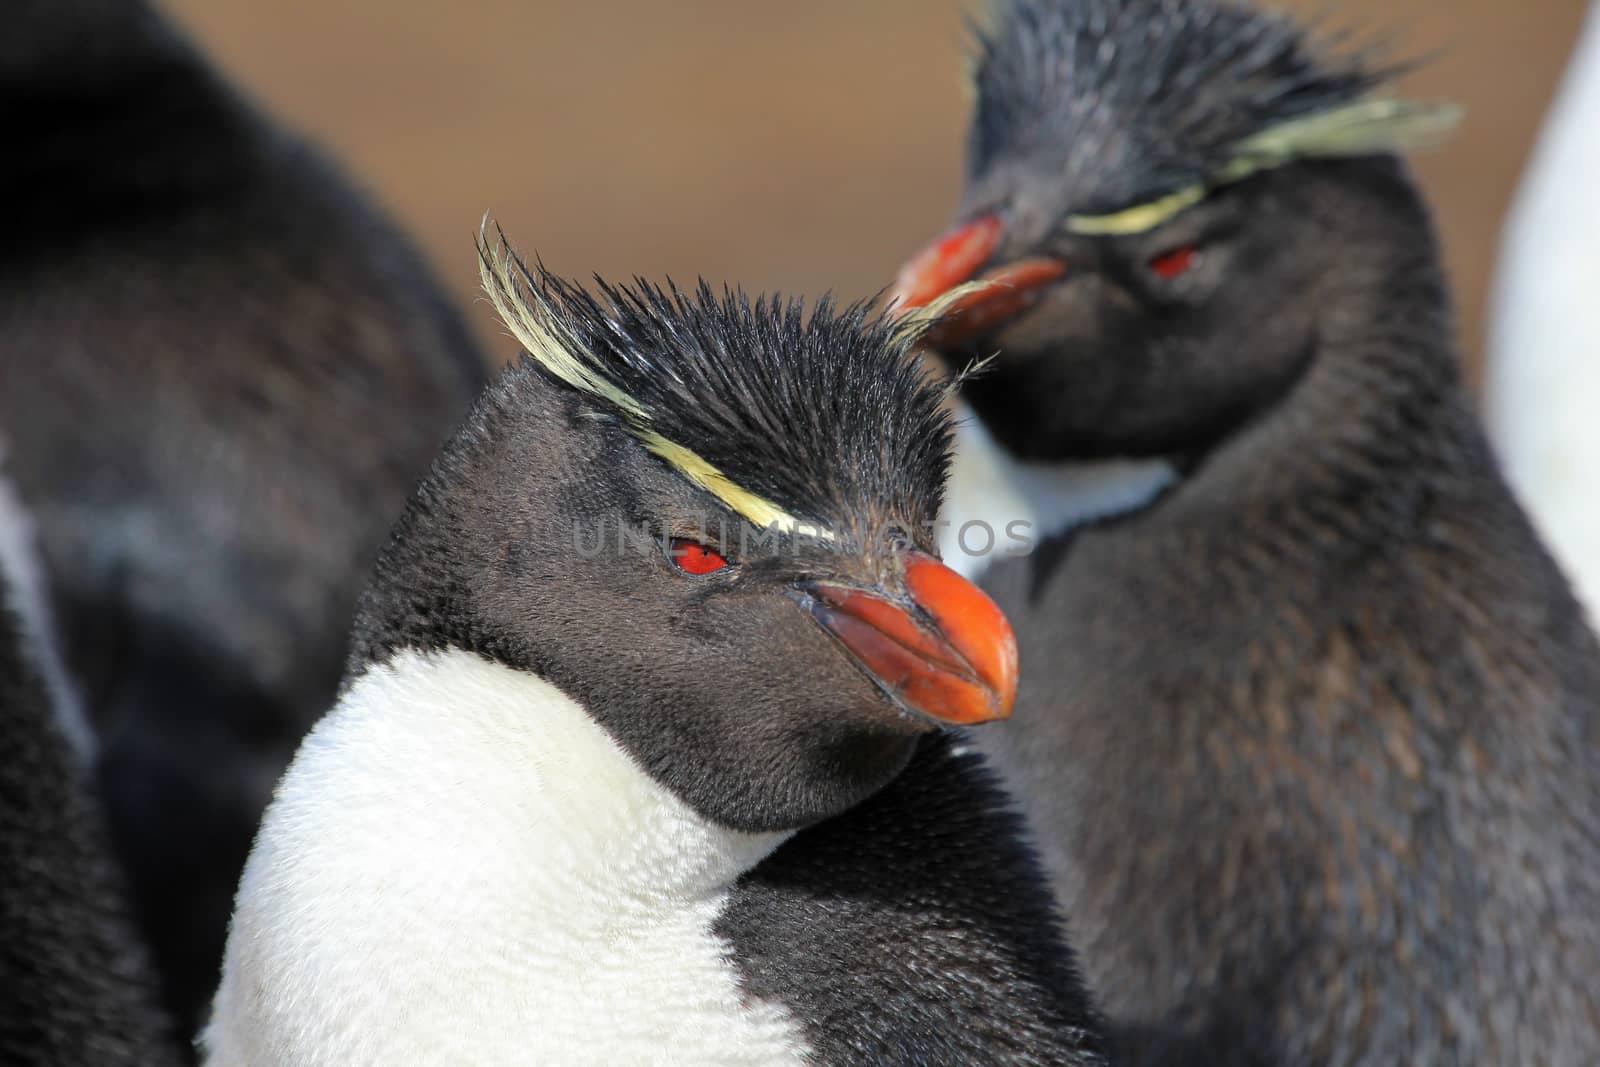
915, 929
906, 922
796, 408
1144, 97
1310, 742
221, 371
77, 987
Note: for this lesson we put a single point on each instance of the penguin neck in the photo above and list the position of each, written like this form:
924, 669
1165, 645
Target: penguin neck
1379, 407
1381, 393
461, 859
998, 506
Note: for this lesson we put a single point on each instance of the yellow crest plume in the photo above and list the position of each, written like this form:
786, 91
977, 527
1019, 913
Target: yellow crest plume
524, 305
1365, 127
912, 324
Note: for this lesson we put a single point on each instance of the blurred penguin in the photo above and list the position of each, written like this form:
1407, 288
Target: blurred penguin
221, 371
1543, 368
1309, 722
78, 988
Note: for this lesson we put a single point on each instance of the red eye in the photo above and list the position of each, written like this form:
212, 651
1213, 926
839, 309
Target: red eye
1175, 263
691, 557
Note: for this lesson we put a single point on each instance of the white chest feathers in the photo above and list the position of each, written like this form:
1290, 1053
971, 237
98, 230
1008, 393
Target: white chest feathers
997, 506
461, 867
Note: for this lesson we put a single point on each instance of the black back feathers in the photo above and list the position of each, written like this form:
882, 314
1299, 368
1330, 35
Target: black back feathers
77, 988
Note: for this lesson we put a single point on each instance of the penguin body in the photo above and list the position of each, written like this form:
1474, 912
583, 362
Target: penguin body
677, 798
221, 370
1372, 835
1542, 380
487, 776
78, 988
1309, 738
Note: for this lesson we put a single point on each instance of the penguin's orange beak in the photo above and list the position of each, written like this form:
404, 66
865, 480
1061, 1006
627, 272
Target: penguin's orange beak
943, 650
956, 257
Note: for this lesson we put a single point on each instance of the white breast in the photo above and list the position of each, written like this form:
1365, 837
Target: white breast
997, 506
1543, 374
461, 867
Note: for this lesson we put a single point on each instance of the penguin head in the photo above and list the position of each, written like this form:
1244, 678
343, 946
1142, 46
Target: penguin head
710, 521
1163, 194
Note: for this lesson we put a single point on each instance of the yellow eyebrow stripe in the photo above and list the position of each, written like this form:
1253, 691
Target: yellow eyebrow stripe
1139, 219
1361, 128
527, 313
761, 512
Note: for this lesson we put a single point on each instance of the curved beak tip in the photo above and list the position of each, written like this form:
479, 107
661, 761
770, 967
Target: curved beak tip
949, 654
973, 625
952, 258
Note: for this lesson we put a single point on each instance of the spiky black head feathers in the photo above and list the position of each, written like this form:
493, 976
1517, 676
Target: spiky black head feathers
1147, 103
796, 421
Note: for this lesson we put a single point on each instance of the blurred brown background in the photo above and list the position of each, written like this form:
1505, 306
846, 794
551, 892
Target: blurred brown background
802, 146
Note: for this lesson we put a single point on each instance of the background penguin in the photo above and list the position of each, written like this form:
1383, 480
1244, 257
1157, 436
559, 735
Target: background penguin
1309, 735
78, 989
1543, 380
221, 371
635, 759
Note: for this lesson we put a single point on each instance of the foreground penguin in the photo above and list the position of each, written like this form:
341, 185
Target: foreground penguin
77, 987
1542, 386
637, 759
221, 372
1309, 724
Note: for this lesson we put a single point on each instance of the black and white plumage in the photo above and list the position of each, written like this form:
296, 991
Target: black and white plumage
1310, 725
621, 808
221, 371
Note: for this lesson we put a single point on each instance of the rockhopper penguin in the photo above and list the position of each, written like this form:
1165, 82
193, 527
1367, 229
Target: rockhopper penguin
75, 984
678, 797
221, 372
1308, 725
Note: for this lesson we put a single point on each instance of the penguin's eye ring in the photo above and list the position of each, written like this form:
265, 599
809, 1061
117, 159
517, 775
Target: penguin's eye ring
1176, 262
692, 557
